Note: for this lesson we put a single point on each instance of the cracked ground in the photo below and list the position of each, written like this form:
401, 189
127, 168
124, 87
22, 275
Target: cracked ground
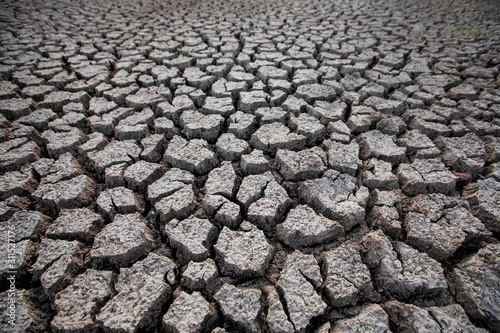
268, 166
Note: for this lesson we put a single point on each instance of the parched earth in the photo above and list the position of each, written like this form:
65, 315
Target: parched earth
250, 166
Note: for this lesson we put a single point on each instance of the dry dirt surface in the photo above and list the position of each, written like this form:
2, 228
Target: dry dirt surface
250, 166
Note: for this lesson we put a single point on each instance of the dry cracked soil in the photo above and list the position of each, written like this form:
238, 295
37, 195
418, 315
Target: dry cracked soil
250, 166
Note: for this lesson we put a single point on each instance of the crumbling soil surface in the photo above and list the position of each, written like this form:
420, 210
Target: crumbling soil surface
250, 166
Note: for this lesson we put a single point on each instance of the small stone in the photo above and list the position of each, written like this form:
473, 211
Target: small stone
25, 78
304, 228
348, 279
431, 129
60, 274
384, 106
481, 127
362, 119
22, 131
37, 93
118, 200
493, 171
222, 210
77, 108
218, 330
480, 72
122, 242
192, 237
463, 91
252, 187
229, 215
200, 275
189, 313
265, 73
245, 253
425, 176
89, 71
135, 127
106, 123
443, 81
339, 132
173, 111
8, 90
325, 328
100, 105
193, 156
353, 82
240, 305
